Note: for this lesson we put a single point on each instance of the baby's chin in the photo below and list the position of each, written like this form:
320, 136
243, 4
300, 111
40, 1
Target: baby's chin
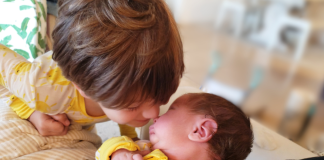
154, 146
153, 141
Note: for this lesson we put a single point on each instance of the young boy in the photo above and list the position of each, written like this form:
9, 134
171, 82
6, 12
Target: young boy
197, 126
116, 59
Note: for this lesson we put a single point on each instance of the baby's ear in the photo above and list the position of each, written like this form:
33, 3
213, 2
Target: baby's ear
203, 130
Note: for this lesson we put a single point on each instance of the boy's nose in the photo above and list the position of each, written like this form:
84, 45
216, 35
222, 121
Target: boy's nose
152, 112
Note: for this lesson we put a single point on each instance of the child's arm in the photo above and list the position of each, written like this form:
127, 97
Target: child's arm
39, 84
15, 72
29, 81
21, 109
46, 125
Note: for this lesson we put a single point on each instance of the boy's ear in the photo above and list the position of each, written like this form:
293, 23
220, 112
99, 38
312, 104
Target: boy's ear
80, 91
203, 130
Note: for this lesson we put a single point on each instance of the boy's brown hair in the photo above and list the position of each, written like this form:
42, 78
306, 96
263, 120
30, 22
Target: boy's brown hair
119, 51
234, 137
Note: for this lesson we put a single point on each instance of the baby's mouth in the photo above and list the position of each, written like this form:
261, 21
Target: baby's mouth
151, 130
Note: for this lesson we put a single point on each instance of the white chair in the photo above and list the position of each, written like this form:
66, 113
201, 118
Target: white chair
269, 37
244, 15
297, 109
233, 94
236, 11
276, 20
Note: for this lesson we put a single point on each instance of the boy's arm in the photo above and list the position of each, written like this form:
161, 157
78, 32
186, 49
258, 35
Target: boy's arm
39, 84
128, 131
21, 109
46, 125
17, 75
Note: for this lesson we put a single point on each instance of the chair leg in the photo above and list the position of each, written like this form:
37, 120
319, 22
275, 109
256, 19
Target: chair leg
50, 27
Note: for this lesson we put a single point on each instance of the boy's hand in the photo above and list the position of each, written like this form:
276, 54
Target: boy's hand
123, 154
56, 125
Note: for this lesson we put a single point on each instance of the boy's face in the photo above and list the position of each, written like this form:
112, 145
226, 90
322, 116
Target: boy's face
136, 115
171, 129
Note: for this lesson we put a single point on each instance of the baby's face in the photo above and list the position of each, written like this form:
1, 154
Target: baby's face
171, 129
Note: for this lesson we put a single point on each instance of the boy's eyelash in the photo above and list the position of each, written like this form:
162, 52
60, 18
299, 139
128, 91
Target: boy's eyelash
133, 109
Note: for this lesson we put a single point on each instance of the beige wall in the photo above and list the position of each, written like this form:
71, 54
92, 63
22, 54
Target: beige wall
194, 11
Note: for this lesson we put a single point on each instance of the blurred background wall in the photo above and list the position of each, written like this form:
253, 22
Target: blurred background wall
266, 56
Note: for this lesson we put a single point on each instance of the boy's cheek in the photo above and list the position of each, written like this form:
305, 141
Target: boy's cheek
119, 119
136, 124
115, 116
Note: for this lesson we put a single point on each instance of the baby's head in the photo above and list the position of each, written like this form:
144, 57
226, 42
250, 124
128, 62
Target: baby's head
119, 52
202, 126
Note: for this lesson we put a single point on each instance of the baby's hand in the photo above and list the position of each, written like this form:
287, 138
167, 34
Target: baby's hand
47, 125
123, 154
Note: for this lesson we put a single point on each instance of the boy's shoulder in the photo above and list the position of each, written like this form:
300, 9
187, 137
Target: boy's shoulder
45, 57
49, 72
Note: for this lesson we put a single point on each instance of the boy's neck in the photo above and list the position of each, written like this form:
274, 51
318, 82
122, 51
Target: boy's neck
93, 108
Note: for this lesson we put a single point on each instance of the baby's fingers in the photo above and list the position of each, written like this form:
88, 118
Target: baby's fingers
137, 157
140, 154
143, 153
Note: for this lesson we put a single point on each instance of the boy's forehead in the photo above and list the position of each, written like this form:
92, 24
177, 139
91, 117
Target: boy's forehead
140, 102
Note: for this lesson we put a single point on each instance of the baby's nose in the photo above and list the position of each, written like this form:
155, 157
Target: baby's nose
155, 119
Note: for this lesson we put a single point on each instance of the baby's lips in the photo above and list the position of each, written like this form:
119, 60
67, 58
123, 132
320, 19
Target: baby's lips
151, 129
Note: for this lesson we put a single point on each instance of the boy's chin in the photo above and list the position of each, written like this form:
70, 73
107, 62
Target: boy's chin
137, 124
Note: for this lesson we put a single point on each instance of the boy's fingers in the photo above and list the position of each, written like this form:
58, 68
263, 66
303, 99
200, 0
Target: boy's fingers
47, 125
62, 118
66, 128
57, 128
53, 128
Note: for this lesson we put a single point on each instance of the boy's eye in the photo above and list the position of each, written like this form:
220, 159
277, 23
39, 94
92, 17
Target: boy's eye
133, 109
171, 108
